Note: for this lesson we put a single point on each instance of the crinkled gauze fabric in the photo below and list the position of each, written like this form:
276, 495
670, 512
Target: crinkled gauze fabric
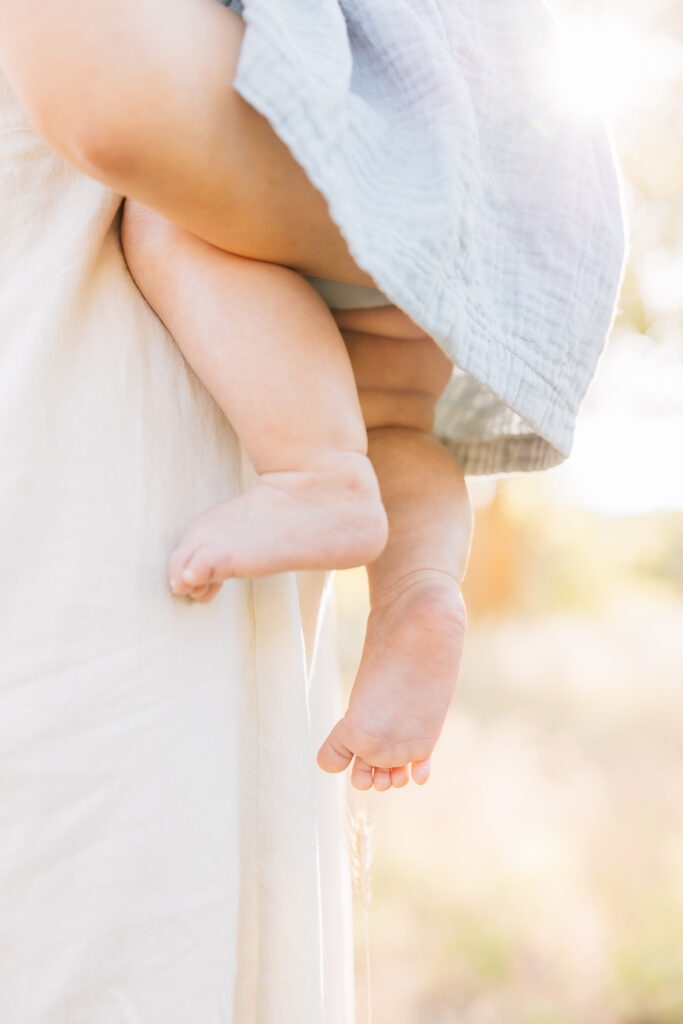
478, 205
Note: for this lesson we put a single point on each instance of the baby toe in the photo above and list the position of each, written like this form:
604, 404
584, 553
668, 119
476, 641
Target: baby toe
176, 565
382, 779
198, 570
334, 755
361, 774
208, 593
421, 770
400, 776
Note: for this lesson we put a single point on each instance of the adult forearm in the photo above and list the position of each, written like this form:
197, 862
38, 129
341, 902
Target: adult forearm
138, 94
132, 92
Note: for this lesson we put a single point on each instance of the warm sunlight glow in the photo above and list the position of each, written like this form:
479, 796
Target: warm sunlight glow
628, 444
609, 66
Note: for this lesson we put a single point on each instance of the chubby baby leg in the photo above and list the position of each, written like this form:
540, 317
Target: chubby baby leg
267, 348
416, 628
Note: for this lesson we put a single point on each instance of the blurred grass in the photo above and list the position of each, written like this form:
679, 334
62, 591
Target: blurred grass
538, 877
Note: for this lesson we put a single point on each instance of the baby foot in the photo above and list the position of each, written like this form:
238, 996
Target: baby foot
326, 519
404, 685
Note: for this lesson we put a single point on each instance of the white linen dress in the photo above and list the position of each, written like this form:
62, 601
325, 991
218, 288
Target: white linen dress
169, 851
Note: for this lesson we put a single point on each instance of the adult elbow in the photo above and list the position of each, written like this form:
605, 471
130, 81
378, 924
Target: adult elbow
88, 135
100, 150
83, 80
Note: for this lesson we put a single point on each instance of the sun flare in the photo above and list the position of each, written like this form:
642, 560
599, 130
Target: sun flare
608, 66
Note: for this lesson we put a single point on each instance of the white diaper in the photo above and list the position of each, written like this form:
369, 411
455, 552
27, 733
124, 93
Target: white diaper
339, 295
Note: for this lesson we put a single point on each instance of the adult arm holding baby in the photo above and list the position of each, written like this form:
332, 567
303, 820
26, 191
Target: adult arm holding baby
139, 95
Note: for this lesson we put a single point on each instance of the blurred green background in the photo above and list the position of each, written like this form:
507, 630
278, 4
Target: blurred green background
538, 877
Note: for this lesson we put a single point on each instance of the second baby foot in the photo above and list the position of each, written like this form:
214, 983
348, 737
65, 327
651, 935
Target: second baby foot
404, 686
314, 519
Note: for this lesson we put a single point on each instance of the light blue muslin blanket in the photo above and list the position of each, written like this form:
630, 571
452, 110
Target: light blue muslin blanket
479, 206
